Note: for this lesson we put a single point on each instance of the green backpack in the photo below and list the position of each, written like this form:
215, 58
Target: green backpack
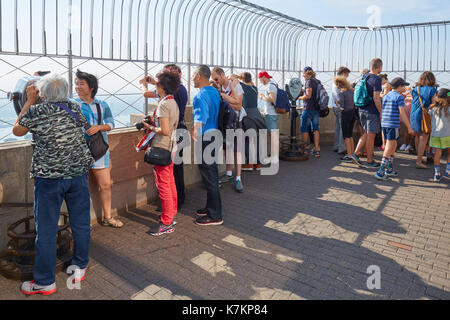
361, 97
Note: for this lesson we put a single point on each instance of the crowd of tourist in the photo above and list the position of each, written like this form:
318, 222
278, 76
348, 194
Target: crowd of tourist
62, 159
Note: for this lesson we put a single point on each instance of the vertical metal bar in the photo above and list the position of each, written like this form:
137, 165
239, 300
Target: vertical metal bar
250, 24
1, 29
57, 23
213, 13
418, 48
91, 30
445, 47
244, 20
359, 46
146, 31
146, 74
329, 49
189, 23
306, 51
16, 31
31, 27
431, 47
170, 27
102, 28
69, 49
229, 38
44, 32
225, 41
424, 47
264, 35
211, 32
81, 26
404, 65
161, 55
221, 30
111, 31
121, 30
364, 45
130, 17
393, 48
353, 49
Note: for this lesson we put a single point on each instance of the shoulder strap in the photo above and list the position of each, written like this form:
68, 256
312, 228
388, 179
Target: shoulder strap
99, 114
420, 99
73, 114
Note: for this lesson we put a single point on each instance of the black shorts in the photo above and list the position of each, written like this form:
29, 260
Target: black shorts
348, 122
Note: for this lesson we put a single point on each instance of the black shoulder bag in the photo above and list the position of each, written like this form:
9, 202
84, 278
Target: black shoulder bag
159, 156
96, 143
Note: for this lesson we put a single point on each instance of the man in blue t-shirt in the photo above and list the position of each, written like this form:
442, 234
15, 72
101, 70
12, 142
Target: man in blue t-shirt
370, 118
206, 106
393, 110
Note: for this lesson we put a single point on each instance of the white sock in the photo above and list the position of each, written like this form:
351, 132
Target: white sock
238, 178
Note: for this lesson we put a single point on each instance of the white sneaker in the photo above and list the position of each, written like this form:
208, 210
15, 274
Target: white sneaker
408, 148
403, 147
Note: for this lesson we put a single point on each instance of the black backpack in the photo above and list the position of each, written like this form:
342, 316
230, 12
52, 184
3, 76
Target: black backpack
227, 117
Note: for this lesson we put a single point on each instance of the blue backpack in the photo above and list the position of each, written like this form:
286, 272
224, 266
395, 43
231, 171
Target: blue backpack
282, 105
361, 96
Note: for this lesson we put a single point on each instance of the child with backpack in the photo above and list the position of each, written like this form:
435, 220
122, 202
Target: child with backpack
393, 110
440, 131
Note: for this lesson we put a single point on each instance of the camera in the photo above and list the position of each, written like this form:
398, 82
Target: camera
140, 125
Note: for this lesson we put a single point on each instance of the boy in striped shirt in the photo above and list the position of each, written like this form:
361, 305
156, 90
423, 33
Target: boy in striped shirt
393, 110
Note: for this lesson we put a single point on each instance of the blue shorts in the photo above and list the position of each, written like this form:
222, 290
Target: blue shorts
391, 133
271, 122
310, 118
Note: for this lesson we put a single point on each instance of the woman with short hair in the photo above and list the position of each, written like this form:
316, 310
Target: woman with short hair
164, 125
86, 86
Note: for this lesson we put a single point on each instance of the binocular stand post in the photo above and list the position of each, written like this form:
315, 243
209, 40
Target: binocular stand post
292, 150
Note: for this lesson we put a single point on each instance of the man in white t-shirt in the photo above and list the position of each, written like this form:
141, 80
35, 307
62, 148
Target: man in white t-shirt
232, 92
269, 99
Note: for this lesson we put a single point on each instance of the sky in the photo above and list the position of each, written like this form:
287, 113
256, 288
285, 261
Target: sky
354, 12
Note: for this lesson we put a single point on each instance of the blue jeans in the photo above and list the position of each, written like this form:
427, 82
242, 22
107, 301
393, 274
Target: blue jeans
339, 142
310, 118
48, 197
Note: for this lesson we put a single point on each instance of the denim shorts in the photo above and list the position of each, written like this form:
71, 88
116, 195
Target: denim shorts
310, 118
371, 123
271, 122
391, 133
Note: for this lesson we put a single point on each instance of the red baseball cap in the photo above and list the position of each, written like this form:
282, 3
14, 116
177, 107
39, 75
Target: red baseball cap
264, 74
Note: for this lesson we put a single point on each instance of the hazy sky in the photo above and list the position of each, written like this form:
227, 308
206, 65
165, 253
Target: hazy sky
353, 12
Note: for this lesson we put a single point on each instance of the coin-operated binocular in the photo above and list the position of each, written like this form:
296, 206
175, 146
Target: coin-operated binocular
292, 150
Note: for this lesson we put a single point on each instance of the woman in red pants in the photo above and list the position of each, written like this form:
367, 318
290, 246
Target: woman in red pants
165, 122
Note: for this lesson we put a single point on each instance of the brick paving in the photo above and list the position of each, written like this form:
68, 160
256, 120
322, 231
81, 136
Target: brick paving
311, 232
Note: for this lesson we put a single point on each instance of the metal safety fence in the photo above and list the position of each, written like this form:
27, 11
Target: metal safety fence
120, 41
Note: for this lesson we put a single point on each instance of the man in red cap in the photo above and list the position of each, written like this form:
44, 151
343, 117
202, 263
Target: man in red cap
269, 98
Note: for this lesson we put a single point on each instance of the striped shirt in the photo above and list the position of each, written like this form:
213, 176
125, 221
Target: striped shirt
392, 103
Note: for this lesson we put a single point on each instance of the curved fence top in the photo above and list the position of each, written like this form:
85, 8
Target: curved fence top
122, 40
214, 32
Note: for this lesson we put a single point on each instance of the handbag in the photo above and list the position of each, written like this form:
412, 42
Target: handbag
426, 118
96, 143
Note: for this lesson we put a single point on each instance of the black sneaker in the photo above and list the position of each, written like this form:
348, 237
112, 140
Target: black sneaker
162, 229
207, 221
202, 212
373, 164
